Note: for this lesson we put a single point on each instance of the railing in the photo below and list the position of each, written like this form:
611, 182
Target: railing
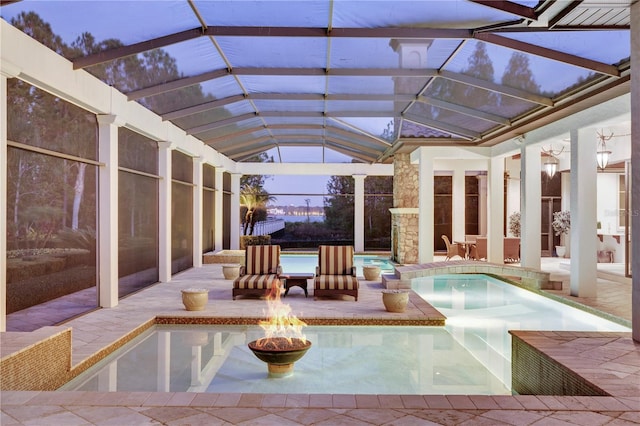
266, 227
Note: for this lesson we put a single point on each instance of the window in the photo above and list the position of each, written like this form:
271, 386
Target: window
137, 212
208, 207
51, 206
181, 212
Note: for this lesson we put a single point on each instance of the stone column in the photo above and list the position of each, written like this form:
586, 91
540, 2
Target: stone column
358, 213
198, 197
164, 211
495, 208
583, 213
635, 162
235, 211
412, 54
404, 215
108, 205
530, 205
217, 245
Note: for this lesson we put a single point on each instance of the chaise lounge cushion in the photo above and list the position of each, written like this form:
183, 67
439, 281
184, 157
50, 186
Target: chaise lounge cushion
255, 281
336, 282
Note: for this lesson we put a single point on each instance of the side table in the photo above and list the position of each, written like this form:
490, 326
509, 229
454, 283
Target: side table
296, 280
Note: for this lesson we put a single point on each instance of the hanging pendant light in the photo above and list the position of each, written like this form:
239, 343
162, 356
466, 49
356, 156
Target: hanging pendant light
551, 166
602, 154
551, 162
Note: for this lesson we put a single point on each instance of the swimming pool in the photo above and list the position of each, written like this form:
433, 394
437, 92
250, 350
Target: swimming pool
481, 309
470, 355
308, 262
342, 360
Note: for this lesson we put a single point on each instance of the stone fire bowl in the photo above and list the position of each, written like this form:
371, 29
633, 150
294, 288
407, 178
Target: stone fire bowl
280, 360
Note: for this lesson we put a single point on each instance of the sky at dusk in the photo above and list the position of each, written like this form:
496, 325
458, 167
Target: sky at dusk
304, 185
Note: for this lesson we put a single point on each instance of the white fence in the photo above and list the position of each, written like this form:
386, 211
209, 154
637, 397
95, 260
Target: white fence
266, 227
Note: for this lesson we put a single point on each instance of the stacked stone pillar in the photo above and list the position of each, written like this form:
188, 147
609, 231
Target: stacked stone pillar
404, 214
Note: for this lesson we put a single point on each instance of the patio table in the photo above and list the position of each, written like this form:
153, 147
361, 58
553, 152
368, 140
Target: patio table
467, 246
296, 280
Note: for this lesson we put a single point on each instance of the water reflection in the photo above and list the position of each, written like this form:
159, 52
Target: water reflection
351, 360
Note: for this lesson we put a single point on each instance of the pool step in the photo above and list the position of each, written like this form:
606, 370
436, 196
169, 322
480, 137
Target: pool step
392, 281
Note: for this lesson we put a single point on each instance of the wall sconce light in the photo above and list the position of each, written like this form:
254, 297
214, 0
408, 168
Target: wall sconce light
551, 162
602, 154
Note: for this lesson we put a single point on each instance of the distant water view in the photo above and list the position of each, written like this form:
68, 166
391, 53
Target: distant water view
300, 218
299, 213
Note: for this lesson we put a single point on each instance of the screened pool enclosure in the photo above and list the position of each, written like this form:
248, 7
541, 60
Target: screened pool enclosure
129, 125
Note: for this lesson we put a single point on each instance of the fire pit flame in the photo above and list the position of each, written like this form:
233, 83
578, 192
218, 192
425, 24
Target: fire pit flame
284, 343
280, 321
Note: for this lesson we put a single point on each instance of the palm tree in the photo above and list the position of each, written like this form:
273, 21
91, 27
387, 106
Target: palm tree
252, 197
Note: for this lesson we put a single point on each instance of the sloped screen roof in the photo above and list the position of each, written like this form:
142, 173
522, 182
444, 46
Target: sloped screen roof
354, 80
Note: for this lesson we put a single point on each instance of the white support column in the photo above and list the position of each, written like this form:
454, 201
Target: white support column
425, 208
495, 211
198, 162
482, 203
3, 196
219, 212
108, 205
583, 213
235, 211
565, 204
358, 213
635, 163
565, 190
530, 205
458, 212
164, 211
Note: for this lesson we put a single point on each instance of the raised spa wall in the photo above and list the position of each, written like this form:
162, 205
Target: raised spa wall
224, 256
41, 360
43, 363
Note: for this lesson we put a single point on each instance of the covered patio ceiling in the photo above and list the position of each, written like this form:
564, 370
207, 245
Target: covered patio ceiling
340, 80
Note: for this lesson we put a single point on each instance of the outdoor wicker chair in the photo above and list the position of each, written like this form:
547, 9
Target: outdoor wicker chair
479, 249
511, 249
454, 249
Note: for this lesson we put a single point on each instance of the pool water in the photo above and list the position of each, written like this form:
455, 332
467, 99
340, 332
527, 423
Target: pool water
307, 263
341, 360
470, 355
480, 310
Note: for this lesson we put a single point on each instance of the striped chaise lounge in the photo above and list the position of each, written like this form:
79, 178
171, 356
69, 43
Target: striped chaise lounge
260, 273
335, 273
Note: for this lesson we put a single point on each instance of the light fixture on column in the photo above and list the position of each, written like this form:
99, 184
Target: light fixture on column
551, 162
602, 154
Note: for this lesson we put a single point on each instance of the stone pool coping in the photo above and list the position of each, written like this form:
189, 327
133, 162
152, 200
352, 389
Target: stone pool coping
405, 273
